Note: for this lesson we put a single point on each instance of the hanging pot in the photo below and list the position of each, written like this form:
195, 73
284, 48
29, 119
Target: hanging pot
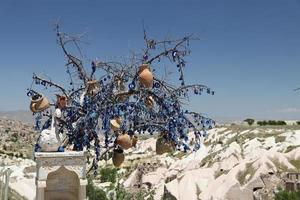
124, 141
163, 146
61, 101
134, 140
149, 101
118, 157
93, 87
115, 124
145, 76
39, 103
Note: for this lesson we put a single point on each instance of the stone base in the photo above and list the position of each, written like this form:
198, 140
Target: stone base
61, 175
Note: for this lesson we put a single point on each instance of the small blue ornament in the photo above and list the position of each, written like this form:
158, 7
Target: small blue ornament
60, 149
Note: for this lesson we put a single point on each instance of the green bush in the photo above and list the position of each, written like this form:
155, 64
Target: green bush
108, 175
272, 123
249, 121
94, 193
296, 164
284, 195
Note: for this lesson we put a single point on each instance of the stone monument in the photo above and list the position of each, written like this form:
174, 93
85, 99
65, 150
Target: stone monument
61, 175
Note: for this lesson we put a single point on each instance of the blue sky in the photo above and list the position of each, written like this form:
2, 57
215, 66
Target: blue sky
248, 52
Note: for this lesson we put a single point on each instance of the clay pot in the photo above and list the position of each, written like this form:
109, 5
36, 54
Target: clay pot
134, 140
124, 141
115, 124
93, 87
149, 101
163, 146
145, 76
61, 101
39, 104
118, 157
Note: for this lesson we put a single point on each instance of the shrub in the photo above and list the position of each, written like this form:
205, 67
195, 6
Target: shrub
108, 174
94, 193
220, 172
249, 121
290, 148
272, 123
296, 164
279, 139
284, 195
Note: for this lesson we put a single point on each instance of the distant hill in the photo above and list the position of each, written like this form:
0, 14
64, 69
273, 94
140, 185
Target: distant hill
19, 115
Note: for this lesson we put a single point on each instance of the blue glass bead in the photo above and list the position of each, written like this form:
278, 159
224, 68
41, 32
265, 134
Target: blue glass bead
61, 149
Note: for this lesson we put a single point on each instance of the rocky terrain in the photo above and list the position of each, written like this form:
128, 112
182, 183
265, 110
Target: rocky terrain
234, 162
17, 138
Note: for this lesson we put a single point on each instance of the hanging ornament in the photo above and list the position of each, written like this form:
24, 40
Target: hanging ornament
145, 76
118, 157
115, 124
124, 141
39, 103
93, 87
149, 101
61, 101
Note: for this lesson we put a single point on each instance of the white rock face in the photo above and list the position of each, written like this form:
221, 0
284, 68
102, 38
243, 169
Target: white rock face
233, 167
20, 181
190, 184
253, 158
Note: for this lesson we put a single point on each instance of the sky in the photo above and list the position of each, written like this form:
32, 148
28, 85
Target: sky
248, 52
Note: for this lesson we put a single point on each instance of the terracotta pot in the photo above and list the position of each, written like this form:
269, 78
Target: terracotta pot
163, 146
115, 124
124, 141
134, 140
93, 87
145, 76
118, 157
39, 104
61, 101
149, 101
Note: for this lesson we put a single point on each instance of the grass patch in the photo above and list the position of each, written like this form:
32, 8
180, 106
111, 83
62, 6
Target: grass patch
179, 154
290, 148
296, 164
108, 174
279, 139
93, 192
209, 159
279, 165
285, 195
241, 176
220, 173
261, 140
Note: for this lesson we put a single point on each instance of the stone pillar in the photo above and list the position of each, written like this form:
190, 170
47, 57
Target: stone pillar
40, 189
61, 175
